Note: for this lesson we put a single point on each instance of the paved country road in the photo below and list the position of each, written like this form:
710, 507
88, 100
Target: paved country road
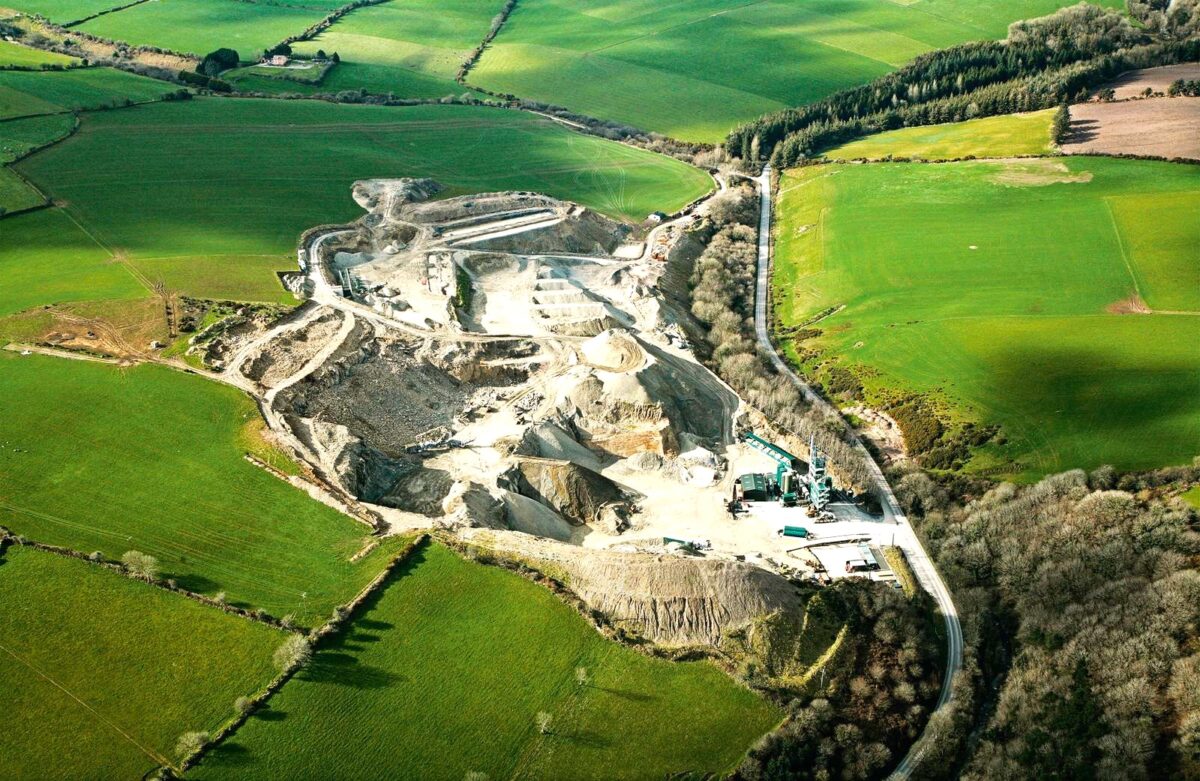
905, 538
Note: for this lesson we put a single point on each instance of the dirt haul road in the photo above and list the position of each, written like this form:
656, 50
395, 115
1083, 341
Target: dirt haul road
906, 538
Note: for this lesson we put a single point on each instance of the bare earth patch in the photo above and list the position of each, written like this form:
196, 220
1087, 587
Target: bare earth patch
1036, 172
1159, 127
1134, 83
1134, 305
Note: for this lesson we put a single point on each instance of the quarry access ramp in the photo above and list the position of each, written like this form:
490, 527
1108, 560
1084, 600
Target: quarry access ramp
906, 538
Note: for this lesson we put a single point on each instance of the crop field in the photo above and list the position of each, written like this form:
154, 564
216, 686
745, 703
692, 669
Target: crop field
45, 259
19, 136
200, 26
1009, 135
14, 54
264, 171
162, 473
1017, 293
409, 48
100, 671
445, 673
23, 93
695, 70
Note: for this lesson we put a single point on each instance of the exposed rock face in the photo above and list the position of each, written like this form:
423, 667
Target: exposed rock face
575, 492
360, 469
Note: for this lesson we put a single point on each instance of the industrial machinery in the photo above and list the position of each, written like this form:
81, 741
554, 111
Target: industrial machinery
818, 484
787, 476
815, 485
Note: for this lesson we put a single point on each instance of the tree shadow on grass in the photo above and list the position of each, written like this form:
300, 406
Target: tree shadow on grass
195, 583
267, 713
228, 754
583, 738
342, 669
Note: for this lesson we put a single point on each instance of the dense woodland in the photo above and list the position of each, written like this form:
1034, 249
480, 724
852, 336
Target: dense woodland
1044, 62
1080, 602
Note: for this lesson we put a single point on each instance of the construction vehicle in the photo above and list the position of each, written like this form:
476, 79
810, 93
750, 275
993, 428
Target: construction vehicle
794, 531
787, 476
689, 545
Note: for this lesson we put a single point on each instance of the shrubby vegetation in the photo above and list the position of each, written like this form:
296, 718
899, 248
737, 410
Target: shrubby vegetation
1043, 63
722, 298
1184, 88
1080, 602
876, 699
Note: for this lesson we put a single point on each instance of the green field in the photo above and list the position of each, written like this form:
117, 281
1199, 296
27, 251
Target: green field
446, 672
695, 70
101, 674
14, 54
993, 288
409, 48
45, 259
262, 171
19, 136
24, 93
62, 11
97, 457
1009, 135
200, 26
16, 195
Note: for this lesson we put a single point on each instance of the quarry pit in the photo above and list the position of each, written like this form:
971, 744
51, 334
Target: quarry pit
506, 367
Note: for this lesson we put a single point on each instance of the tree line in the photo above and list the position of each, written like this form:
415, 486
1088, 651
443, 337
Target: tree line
1043, 63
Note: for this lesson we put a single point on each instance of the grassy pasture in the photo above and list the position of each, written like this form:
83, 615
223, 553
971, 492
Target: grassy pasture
14, 54
45, 258
162, 472
62, 11
1009, 135
263, 171
695, 70
24, 93
993, 287
101, 673
15, 194
410, 48
19, 136
445, 672
200, 26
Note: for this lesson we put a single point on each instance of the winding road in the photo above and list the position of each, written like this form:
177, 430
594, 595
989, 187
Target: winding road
905, 537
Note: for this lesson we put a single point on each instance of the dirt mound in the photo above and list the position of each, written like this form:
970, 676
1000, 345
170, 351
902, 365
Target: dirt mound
548, 439
1134, 305
614, 351
580, 495
647, 404
473, 206
670, 600
582, 232
287, 354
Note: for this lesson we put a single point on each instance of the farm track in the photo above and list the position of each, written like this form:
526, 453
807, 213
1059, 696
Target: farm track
906, 537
